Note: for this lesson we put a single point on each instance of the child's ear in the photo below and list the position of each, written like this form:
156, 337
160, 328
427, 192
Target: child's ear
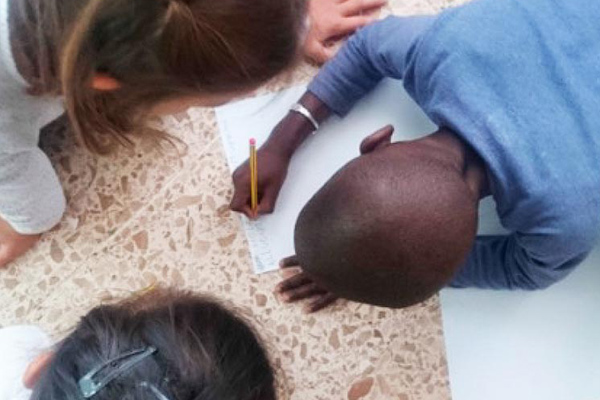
105, 83
35, 369
377, 140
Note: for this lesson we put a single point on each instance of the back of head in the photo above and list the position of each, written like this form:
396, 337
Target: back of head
388, 232
203, 351
160, 50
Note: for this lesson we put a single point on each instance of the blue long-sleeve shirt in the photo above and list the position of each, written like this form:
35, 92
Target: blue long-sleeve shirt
519, 81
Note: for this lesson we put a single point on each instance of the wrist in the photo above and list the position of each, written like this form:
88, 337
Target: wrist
289, 134
317, 108
296, 127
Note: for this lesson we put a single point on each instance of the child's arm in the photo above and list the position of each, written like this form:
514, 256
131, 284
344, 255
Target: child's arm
383, 49
525, 261
31, 201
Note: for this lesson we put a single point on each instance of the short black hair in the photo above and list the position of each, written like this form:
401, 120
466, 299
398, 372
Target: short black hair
388, 233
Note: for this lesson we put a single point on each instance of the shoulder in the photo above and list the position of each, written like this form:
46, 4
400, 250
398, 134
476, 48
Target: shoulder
477, 31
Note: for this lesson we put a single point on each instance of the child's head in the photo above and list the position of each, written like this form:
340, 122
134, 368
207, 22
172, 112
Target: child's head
390, 228
184, 348
139, 53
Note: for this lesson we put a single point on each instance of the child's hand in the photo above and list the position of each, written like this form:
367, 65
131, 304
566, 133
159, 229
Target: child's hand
272, 170
332, 20
299, 286
13, 244
273, 160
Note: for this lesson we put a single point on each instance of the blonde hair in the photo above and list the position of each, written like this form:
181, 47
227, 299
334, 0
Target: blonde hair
157, 50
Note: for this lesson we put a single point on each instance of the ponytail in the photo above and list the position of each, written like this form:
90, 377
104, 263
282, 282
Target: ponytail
100, 119
162, 50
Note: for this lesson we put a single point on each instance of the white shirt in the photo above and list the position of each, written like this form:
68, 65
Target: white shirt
19, 346
31, 197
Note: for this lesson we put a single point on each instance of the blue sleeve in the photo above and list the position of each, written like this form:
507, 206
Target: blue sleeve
521, 261
381, 50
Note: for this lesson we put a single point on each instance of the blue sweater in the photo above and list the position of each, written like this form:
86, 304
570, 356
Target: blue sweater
519, 80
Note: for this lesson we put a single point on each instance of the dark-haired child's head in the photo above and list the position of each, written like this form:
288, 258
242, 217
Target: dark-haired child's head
392, 226
202, 351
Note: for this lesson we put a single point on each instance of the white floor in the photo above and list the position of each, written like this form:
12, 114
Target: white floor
525, 346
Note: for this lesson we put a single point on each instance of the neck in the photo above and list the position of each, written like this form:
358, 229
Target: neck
449, 147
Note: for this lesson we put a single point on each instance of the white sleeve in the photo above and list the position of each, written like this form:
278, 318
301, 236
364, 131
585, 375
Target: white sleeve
31, 197
19, 346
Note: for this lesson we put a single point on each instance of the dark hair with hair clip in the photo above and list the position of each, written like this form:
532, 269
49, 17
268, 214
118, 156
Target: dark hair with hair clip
163, 345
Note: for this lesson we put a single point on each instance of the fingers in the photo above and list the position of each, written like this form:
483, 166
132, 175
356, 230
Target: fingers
348, 25
300, 287
266, 204
240, 201
289, 262
318, 52
241, 195
293, 283
320, 302
240, 204
306, 291
243, 209
358, 7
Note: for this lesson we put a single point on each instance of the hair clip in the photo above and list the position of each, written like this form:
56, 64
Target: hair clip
116, 366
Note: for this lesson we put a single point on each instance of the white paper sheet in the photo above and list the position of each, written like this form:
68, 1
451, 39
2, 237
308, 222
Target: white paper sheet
500, 345
337, 142
541, 345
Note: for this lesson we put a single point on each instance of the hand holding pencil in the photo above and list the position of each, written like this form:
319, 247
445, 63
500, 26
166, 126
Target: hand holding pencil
256, 194
258, 181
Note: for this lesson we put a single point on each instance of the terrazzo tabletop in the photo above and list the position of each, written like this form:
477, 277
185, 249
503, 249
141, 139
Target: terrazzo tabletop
142, 216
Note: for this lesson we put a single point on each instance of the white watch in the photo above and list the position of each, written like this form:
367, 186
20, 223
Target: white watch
300, 109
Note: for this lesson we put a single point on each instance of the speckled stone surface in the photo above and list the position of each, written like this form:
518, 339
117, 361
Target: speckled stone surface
150, 215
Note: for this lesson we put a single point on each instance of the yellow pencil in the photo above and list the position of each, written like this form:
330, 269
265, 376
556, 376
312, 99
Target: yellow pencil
253, 177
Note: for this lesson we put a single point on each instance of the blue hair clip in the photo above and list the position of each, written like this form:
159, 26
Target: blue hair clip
111, 369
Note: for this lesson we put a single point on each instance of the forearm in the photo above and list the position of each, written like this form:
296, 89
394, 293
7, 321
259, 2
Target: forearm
381, 50
503, 262
367, 58
291, 132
